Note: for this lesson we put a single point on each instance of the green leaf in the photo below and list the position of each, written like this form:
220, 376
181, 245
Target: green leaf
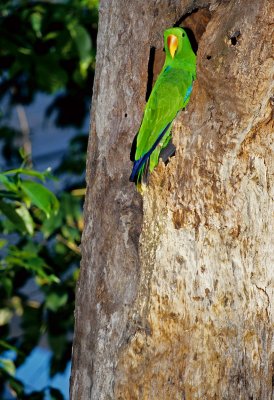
50, 36
11, 213
24, 50
36, 22
5, 316
30, 172
41, 197
25, 215
7, 285
82, 40
71, 233
5, 345
8, 183
51, 224
47, 279
37, 265
8, 366
3, 243
28, 259
56, 300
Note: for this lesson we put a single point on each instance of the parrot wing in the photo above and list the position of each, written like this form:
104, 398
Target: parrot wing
170, 94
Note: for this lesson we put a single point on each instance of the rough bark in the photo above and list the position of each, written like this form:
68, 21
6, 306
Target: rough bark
174, 299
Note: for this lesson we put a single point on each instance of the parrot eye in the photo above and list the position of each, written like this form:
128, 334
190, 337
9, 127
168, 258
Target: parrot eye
183, 35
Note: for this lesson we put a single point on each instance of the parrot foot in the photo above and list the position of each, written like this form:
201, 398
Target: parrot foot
167, 152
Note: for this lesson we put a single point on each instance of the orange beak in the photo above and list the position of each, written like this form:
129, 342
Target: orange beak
172, 43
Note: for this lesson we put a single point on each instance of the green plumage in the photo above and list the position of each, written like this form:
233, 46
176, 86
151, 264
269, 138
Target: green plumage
170, 94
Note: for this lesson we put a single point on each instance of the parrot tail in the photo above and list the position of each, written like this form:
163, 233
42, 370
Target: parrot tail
138, 166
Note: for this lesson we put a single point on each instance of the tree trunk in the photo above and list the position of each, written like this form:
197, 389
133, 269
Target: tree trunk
174, 298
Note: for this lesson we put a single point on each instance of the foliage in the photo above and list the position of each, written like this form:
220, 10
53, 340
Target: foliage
45, 46
44, 250
49, 47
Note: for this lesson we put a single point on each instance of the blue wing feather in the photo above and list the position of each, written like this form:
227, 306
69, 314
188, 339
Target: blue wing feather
188, 93
139, 163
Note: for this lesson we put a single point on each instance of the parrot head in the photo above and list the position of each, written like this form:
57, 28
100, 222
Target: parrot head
176, 43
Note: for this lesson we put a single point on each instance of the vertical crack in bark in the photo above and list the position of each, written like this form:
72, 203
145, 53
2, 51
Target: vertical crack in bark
267, 298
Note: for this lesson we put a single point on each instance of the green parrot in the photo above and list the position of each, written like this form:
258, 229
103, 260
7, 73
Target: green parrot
170, 94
